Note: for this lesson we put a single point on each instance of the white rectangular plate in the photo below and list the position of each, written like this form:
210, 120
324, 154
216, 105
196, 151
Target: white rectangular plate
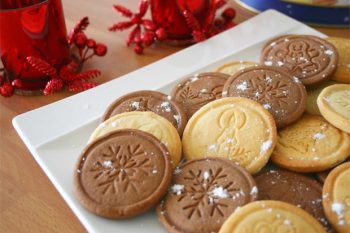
56, 147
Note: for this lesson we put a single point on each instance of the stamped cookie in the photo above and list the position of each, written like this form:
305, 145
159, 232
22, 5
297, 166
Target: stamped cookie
233, 67
311, 145
309, 58
152, 101
293, 188
271, 217
204, 193
235, 128
148, 122
278, 92
122, 174
334, 105
336, 198
342, 74
198, 90
312, 94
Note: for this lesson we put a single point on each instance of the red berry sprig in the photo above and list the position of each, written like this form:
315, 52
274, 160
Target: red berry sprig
145, 31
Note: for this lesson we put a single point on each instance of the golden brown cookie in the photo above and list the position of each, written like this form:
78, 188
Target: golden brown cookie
235, 128
148, 122
342, 74
271, 217
311, 145
334, 105
336, 198
233, 67
122, 174
312, 94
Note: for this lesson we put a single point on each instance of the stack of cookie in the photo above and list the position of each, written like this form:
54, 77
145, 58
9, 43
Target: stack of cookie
225, 151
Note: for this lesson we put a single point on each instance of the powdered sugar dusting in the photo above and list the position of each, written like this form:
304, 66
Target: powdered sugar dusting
243, 86
177, 189
338, 208
206, 175
268, 63
166, 106
135, 105
328, 52
107, 164
254, 191
267, 106
219, 192
318, 136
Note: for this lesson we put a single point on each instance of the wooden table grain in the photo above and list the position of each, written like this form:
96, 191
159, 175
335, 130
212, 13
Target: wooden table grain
28, 200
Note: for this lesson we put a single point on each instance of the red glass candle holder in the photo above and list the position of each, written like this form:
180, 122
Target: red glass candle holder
32, 28
169, 14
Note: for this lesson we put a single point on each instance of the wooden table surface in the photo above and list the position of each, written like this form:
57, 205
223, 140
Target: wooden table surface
28, 200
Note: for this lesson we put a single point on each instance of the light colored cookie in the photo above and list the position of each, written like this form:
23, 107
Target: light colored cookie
342, 74
148, 122
334, 105
271, 217
336, 198
235, 128
312, 94
311, 145
233, 67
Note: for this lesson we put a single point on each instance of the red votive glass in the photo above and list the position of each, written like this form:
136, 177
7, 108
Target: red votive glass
32, 28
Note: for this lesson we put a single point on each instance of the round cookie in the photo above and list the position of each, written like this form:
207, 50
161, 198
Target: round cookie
233, 67
204, 193
148, 122
311, 145
152, 101
293, 188
312, 94
336, 198
342, 74
309, 58
198, 90
334, 105
271, 217
122, 174
235, 128
321, 176
281, 94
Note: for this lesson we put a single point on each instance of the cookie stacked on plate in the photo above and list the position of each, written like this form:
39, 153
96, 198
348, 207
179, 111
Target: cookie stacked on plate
201, 155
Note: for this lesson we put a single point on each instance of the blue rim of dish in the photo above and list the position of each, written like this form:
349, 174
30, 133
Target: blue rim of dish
333, 16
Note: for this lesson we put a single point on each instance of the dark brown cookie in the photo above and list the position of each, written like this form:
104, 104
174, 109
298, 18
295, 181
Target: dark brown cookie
277, 91
296, 189
204, 193
122, 174
309, 58
198, 90
153, 101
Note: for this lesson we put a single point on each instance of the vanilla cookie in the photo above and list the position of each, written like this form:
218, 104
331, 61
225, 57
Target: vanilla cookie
312, 94
148, 122
235, 128
310, 145
233, 67
334, 105
271, 217
342, 74
336, 198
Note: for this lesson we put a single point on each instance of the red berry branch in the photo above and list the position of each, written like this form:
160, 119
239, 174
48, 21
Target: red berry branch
68, 76
145, 32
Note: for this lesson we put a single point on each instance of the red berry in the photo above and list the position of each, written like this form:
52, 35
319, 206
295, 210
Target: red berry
161, 34
229, 14
219, 23
147, 37
80, 40
149, 25
100, 49
91, 43
138, 40
17, 83
138, 49
6, 90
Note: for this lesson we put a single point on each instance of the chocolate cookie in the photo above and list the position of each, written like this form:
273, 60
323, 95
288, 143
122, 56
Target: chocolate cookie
309, 58
198, 90
205, 192
153, 101
278, 92
299, 190
122, 174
